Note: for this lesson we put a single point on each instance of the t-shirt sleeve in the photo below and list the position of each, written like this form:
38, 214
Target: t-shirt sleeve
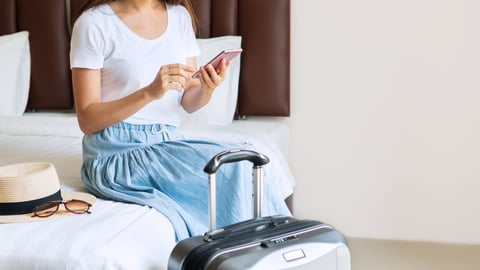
87, 43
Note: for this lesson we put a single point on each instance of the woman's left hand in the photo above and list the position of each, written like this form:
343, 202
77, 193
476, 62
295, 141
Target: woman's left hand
210, 78
199, 91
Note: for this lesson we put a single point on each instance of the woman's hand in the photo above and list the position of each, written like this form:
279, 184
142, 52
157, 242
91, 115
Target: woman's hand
199, 91
169, 77
210, 78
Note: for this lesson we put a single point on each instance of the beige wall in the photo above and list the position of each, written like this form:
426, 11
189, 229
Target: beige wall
385, 125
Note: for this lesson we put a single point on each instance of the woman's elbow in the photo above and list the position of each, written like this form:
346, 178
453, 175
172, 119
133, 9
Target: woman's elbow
85, 126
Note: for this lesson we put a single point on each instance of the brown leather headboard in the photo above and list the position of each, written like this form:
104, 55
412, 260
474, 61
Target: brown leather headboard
50, 84
263, 24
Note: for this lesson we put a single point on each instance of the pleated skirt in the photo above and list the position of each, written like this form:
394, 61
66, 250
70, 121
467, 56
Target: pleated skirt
154, 165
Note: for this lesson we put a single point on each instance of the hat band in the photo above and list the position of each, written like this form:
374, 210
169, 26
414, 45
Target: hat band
20, 208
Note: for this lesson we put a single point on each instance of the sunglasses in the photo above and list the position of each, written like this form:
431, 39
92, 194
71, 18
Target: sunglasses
51, 207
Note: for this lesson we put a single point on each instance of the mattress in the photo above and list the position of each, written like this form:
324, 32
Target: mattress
116, 235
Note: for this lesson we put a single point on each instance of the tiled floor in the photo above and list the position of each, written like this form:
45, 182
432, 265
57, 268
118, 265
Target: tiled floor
396, 255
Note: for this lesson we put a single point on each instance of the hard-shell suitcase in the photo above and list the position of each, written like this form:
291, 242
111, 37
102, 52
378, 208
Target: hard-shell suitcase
273, 242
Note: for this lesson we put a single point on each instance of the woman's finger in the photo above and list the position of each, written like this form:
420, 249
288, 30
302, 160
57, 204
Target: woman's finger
223, 68
178, 70
216, 77
175, 86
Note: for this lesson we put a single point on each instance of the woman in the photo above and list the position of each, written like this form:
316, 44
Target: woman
132, 62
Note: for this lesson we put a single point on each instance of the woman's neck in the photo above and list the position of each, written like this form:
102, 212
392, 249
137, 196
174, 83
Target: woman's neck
137, 5
146, 18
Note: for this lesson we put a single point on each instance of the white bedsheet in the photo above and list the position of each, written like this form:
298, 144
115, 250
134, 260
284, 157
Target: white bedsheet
116, 235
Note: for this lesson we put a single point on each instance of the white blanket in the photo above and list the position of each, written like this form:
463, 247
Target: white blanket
116, 235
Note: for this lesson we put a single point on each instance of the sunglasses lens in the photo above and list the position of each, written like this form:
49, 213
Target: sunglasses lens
77, 206
46, 209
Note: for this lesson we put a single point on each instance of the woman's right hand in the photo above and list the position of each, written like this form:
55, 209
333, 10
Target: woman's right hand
169, 77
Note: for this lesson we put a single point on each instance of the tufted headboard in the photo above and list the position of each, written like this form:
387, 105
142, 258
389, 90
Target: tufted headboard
263, 24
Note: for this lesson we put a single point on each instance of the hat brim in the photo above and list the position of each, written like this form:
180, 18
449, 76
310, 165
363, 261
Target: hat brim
61, 212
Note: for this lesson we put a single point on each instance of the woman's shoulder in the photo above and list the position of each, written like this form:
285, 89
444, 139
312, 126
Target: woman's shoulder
178, 10
95, 19
179, 15
96, 14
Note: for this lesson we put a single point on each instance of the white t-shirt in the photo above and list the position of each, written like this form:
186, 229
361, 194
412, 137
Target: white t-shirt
128, 62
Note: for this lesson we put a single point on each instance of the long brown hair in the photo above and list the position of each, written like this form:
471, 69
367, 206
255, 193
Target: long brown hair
186, 3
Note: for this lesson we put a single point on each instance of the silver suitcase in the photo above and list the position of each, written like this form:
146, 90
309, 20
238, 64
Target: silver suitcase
273, 242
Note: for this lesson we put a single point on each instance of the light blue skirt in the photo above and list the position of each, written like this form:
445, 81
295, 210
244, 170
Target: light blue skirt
155, 165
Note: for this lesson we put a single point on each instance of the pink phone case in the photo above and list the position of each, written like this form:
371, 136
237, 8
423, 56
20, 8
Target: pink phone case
215, 62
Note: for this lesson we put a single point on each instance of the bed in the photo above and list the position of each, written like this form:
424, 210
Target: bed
38, 123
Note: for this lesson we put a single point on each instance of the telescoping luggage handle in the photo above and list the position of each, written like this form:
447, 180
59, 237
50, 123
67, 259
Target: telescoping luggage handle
229, 156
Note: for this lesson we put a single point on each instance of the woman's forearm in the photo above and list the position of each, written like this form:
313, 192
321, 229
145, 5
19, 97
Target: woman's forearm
98, 116
195, 98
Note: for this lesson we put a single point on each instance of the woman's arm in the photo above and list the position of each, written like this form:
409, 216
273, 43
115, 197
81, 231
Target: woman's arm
94, 115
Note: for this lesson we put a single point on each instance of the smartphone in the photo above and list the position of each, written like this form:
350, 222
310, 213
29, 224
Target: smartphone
215, 62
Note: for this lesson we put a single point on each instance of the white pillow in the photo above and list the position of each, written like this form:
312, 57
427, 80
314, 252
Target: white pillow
221, 108
14, 73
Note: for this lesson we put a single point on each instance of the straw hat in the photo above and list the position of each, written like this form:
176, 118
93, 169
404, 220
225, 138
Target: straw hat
26, 185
